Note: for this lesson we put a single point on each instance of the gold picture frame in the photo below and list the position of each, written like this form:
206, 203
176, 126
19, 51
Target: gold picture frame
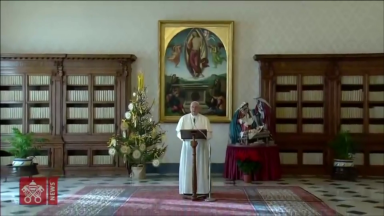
196, 64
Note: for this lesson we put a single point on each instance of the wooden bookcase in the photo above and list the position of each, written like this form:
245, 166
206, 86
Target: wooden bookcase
75, 101
375, 104
315, 96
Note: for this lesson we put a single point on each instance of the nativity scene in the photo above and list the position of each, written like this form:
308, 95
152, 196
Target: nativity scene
251, 125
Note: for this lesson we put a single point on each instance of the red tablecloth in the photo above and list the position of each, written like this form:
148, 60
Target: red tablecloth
270, 163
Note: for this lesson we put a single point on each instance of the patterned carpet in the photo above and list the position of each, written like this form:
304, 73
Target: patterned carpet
151, 200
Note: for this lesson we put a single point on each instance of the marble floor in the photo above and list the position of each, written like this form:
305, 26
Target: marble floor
364, 197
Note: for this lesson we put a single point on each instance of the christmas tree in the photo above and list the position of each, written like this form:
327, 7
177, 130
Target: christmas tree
142, 138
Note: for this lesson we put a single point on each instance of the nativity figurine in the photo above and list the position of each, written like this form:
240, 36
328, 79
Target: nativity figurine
251, 125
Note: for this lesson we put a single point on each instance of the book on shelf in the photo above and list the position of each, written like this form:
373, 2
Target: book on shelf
376, 112
313, 128
352, 80
104, 112
39, 128
76, 80
104, 128
286, 80
78, 160
287, 96
286, 112
6, 160
11, 80
376, 96
38, 95
353, 95
39, 112
353, 128
376, 80
104, 95
104, 80
376, 129
41, 160
286, 128
102, 159
312, 112
312, 95
77, 95
38, 80
7, 129
313, 80
77, 113
11, 95
351, 112
11, 113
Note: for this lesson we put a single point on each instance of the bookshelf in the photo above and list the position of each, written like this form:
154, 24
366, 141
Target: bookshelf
299, 104
75, 101
11, 103
376, 104
104, 104
97, 97
312, 104
313, 97
25, 104
101, 158
286, 104
90, 111
38, 104
352, 103
77, 157
43, 160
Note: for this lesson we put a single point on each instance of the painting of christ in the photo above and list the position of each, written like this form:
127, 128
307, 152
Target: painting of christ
196, 65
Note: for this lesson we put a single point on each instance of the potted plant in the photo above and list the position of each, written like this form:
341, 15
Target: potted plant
249, 163
343, 147
22, 147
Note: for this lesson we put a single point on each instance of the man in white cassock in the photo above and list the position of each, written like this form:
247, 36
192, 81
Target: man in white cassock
194, 120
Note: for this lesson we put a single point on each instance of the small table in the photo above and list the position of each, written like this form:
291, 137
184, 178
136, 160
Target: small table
269, 158
19, 171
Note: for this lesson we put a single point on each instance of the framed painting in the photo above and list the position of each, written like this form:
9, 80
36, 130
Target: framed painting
196, 60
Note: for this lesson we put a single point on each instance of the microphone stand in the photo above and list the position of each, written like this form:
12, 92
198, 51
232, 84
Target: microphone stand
209, 198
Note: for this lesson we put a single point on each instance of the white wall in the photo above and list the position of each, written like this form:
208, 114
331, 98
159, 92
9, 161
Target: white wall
131, 27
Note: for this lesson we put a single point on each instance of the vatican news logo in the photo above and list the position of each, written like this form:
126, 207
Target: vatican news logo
38, 191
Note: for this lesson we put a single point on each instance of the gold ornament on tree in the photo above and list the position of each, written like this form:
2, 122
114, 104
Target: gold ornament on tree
124, 125
124, 128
